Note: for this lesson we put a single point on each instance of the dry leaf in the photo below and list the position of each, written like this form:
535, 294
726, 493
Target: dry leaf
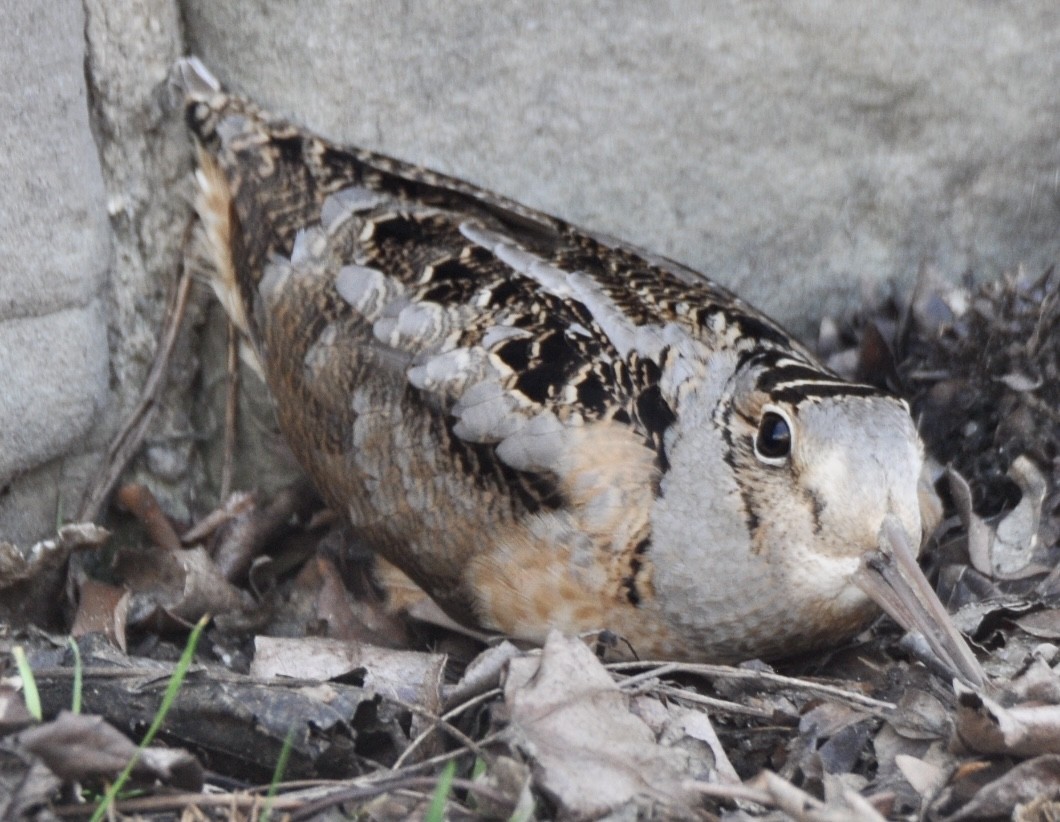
591, 754
78, 748
408, 676
925, 778
985, 726
32, 581
101, 609
184, 584
1028, 781
482, 673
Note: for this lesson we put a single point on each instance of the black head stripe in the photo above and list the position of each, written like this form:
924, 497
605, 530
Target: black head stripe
795, 393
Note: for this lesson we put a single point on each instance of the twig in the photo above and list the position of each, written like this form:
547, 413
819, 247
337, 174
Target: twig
443, 722
729, 672
127, 442
719, 705
141, 503
439, 722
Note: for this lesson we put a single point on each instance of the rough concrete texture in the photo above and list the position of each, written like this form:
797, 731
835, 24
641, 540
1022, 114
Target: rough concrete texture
131, 46
794, 150
53, 237
54, 382
798, 151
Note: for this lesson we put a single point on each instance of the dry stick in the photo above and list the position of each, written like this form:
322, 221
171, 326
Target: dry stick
436, 722
254, 802
728, 672
443, 722
718, 705
125, 445
656, 687
374, 789
231, 406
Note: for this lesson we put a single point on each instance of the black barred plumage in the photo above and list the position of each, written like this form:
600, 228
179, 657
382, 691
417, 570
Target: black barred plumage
542, 427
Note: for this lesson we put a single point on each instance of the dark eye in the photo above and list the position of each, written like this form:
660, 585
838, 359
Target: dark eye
773, 441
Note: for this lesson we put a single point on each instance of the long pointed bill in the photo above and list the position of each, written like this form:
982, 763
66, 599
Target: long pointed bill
893, 579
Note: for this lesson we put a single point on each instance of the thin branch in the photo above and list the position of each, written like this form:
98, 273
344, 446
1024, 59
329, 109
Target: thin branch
761, 677
127, 442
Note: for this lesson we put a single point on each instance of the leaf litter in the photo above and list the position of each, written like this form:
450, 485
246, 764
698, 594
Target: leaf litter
303, 649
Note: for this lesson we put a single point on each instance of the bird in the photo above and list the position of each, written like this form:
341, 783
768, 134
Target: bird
543, 427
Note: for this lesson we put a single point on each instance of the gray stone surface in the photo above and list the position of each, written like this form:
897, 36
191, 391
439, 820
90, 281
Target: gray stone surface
53, 386
54, 241
53, 227
793, 149
799, 151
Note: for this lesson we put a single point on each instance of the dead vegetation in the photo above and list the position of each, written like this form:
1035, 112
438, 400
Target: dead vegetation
302, 665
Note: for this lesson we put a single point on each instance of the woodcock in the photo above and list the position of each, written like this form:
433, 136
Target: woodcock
540, 426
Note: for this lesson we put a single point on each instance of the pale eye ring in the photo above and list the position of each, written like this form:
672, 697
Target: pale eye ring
775, 436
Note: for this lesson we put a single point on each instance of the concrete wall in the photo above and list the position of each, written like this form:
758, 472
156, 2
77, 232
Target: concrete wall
800, 151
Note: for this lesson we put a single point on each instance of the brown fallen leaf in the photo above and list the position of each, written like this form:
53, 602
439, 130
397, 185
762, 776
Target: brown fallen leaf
318, 603
32, 580
101, 609
591, 754
180, 586
79, 748
985, 726
482, 674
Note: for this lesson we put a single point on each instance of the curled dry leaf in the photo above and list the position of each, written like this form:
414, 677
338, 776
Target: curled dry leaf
1008, 550
182, 585
236, 504
251, 528
591, 754
101, 609
985, 726
78, 748
32, 581
482, 674
1016, 536
23, 566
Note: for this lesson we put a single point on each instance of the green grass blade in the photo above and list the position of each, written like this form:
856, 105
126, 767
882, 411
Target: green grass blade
436, 812
75, 702
29, 685
277, 774
172, 689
